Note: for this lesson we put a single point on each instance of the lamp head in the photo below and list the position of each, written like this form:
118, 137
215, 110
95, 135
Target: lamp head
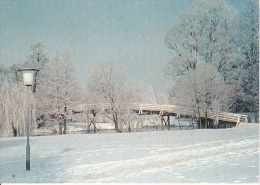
28, 76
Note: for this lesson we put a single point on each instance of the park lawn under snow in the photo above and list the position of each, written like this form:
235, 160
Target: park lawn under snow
175, 156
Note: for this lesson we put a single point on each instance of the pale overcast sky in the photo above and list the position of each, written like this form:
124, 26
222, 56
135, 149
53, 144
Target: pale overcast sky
130, 32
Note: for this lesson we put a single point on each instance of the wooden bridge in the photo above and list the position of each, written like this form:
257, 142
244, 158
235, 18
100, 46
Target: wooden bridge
165, 111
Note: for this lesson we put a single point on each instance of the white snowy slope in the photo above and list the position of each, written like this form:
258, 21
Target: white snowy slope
177, 156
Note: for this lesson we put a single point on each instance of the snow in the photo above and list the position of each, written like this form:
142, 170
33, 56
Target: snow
53, 128
175, 156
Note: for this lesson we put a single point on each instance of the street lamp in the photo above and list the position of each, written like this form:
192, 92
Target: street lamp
28, 80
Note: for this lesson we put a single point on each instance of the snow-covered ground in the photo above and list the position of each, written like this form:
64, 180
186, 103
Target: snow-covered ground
175, 156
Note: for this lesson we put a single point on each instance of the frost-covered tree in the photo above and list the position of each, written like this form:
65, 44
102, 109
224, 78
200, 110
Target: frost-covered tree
204, 33
3, 73
37, 59
17, 76
70, 88
162, 99
248, 67
212, 33
144, 94
15, 102
59, 89
202, 91
108, 84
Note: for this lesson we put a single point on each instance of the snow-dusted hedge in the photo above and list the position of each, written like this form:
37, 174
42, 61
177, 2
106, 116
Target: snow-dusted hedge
14, 101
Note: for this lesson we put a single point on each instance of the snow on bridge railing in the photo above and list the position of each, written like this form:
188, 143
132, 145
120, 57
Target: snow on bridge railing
167, 109
153, 108
227, 117
140, 108
132, 106
232, 117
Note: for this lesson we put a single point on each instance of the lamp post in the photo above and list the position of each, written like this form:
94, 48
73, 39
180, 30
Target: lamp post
28, 80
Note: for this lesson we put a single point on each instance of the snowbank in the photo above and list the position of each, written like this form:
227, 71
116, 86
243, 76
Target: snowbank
175, 156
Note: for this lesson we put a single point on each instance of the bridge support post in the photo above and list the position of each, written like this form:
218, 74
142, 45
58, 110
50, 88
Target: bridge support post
162, 120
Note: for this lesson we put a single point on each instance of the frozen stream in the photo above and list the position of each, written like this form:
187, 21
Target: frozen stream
175, 156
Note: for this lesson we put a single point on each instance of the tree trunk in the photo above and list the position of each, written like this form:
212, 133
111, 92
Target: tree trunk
129, 128
198, 118
88, 129
117, 128
168, 121
115, 118
94, 121
198, 123
64, 125
206, 120
162, 126
60, 129
95, 128
14, 131
216, 126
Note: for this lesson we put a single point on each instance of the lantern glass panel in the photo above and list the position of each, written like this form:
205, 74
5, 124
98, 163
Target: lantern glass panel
28, 77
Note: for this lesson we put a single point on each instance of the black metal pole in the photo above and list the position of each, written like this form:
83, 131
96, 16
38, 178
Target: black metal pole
28, 149
28, 142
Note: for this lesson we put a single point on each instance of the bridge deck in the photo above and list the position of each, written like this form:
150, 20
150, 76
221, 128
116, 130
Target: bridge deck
171, 110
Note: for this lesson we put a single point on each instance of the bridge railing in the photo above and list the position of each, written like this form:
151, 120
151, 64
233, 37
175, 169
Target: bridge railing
153, 108
228, 117
232, 117
168, 109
